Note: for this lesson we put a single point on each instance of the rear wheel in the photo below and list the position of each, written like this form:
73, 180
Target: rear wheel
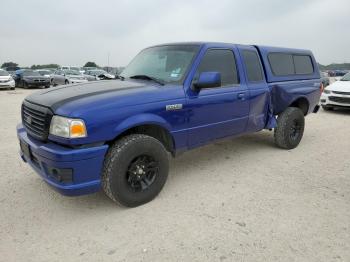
66, 82
290, 128
135, 170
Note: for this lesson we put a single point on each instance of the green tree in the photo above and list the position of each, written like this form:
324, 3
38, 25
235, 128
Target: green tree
9, 64
90, 64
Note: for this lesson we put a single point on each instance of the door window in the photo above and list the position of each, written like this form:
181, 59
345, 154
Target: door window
221, 61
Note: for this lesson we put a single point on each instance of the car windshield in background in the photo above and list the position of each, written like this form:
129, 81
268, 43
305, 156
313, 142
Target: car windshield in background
165, 63
30, 73
72, 72
346, 77
75, 68
44, 72
97, 72
3, 73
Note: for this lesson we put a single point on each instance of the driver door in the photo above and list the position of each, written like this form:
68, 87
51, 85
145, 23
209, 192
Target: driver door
219, 111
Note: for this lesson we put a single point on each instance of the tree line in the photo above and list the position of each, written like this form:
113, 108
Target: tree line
13, 64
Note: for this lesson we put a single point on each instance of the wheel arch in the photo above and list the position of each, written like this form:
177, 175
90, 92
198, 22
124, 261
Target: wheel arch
302, 103
147, 124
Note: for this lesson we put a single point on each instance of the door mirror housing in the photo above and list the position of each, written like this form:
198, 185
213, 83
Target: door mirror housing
208, 80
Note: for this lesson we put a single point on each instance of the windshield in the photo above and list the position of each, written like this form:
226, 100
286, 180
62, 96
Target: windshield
72, 72
97, 72
44, 72
30, 73
75, 68
3, 73
166, 63
346, 77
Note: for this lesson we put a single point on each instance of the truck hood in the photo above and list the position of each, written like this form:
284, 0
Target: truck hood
80, 96
341, 86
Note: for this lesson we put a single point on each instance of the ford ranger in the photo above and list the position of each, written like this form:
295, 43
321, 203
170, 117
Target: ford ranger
118, 135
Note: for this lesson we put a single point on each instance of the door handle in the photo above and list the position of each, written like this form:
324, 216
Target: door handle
241, 96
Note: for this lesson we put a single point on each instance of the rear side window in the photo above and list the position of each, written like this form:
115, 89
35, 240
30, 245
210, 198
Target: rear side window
303, 65
252, 64
281, 64
290, 64
222, 61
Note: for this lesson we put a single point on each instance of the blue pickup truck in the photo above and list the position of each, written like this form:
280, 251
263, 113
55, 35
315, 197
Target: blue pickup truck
118, 135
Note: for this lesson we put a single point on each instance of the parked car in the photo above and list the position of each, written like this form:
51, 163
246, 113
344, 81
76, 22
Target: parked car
100, 74
324, 79
65, 77
29, 78
45, 72
6, 80
337, 94
117, 135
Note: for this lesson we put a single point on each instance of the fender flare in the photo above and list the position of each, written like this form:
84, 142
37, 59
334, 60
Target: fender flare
139, 120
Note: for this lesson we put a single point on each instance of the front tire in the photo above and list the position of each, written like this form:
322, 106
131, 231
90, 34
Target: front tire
135, 170
290, 128
25, 85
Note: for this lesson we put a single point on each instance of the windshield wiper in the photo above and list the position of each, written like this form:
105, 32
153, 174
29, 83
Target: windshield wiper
146, 77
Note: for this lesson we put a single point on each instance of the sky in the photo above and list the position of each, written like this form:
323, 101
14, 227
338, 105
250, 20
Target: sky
72, 32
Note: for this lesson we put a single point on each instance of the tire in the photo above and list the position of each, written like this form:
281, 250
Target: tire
290, 128
47, 86
327, 108
24, 84
12, 88
66, 82
122, 179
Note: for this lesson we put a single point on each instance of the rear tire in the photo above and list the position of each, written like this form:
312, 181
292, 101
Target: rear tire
66, 82
135, 170
290, 128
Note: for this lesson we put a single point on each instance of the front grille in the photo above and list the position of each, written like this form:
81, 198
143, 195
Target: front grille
341, 93
343, 100
36, 120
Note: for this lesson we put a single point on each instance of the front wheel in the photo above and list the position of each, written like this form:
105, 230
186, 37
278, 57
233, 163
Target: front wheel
290, 128
24, 84
135, 170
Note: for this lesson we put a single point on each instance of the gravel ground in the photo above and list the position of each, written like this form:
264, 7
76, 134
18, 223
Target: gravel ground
236, 200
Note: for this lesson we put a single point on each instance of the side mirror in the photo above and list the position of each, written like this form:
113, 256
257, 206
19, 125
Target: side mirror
208, 80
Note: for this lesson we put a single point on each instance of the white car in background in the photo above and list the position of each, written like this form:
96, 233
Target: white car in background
6, 80
337, 94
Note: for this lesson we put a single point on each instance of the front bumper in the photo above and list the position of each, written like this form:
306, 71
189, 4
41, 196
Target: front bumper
335, 100
38, 83
69, 171
9, 84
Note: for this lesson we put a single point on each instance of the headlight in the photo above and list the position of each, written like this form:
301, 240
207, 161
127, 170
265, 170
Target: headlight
327, 91
67, 127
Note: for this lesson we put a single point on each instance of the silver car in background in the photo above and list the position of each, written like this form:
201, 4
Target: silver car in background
65, 77
6, 80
